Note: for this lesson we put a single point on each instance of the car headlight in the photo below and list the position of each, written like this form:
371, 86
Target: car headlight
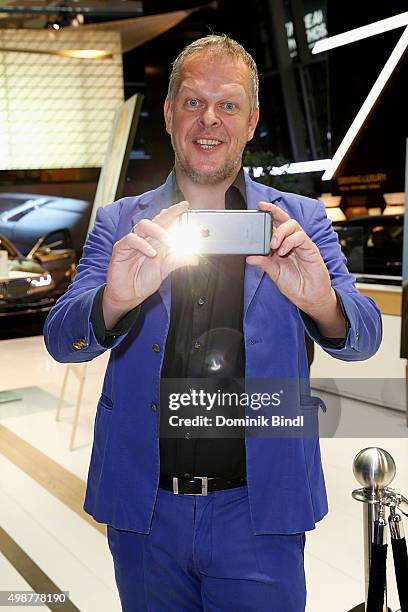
41, 281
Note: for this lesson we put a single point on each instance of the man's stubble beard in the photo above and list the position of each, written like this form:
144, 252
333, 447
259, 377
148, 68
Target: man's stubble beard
229, 169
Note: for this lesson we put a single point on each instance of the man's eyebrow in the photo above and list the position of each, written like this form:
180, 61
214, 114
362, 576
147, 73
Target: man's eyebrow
236, 91
182, 86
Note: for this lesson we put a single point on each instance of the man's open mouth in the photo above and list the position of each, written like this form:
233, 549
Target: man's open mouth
207, 143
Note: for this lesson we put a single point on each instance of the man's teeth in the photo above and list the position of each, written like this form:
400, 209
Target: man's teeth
208, 144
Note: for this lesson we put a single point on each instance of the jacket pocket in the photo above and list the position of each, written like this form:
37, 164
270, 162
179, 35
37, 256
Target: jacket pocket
309, 409
312, 402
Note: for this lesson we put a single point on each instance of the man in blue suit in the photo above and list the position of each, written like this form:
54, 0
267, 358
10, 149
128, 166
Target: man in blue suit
207, 524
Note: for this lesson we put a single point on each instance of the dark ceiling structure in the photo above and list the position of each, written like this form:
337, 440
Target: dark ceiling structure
298, 120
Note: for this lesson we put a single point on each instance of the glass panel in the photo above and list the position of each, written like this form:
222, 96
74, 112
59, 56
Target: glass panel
352, 244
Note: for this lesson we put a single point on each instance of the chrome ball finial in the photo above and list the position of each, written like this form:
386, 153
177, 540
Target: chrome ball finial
374, 468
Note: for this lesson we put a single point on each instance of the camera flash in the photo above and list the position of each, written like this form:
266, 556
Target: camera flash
185, 239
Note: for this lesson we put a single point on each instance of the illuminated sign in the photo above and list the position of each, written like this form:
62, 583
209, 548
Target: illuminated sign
315, 27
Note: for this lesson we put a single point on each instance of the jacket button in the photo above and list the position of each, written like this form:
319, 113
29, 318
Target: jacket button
80, 343
156, 348
153, 407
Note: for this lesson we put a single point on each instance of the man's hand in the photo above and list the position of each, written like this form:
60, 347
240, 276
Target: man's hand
298, 270
140, 262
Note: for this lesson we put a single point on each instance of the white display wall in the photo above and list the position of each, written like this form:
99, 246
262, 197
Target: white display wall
57, 112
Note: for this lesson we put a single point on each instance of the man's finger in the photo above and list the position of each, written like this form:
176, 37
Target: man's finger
168, 215
283, 231
148, 229
267, 264
132, 242
256, 260
296, 240
278, 214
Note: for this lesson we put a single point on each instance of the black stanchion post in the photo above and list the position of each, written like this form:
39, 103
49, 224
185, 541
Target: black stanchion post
376, 589
374, 468
400, 555
377, 593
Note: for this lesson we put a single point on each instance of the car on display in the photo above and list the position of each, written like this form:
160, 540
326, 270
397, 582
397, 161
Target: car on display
373, 247
33, 282
26, 216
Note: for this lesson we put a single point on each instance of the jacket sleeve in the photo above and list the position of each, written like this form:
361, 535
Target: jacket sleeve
364, 332
68, 332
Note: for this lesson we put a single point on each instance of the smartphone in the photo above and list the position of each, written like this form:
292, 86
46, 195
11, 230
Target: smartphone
227, 232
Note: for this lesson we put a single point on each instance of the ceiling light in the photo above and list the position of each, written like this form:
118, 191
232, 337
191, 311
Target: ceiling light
335, 214
86, 53
91, 54
314, 165
394, 210
367, 106
394, 199
372, 29
329, 200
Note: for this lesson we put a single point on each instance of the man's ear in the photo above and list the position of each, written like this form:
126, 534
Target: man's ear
253, 122
167, 115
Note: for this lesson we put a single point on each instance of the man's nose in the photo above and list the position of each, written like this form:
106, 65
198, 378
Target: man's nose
209, 117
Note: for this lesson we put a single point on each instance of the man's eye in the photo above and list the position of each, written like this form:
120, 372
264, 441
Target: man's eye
229, 106
192, 103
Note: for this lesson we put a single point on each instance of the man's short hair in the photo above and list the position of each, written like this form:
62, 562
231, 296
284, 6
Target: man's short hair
218, 46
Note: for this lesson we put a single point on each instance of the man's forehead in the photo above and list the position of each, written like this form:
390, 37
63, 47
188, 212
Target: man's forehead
215, 72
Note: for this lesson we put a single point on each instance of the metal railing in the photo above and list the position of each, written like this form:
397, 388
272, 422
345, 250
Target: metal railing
375, 469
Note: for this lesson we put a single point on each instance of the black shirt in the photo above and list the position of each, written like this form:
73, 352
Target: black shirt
205, 340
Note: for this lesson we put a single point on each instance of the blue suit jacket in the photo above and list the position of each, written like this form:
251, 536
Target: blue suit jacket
285, 479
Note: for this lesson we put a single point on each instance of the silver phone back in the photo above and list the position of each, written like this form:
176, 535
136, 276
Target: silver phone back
230, 232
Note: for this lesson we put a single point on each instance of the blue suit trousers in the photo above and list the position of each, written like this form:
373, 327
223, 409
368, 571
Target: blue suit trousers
201, 555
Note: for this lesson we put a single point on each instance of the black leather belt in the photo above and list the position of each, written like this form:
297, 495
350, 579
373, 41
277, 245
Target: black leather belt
199, 485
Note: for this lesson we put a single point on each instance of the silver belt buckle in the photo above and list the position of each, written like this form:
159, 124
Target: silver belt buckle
204, 485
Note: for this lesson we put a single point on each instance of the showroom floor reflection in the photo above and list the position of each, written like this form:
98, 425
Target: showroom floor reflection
42, 484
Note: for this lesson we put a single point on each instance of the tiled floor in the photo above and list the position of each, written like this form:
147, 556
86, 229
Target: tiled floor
75, 555
12, 581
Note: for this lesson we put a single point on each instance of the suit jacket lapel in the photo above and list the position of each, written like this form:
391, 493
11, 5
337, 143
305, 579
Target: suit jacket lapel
149, 206
151, 203
253, 274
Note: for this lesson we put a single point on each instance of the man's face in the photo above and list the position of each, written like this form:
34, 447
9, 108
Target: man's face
211, 120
